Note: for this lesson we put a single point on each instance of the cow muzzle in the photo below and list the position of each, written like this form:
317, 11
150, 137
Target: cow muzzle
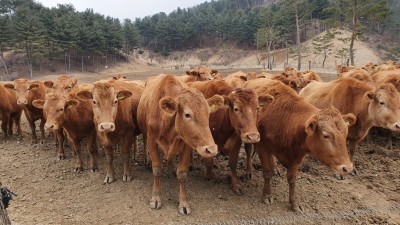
344, 169
22, 101
207, 150
50, 126
251, 138
106, 127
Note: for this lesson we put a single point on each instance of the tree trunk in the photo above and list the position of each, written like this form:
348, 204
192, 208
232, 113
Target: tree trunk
3, 61
82, 62
69, 61
298, 45
353, 34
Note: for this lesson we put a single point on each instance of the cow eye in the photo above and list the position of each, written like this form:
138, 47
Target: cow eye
325, 135
188, 116
381, 103
236, 109
94, 102
61, 109
115, 101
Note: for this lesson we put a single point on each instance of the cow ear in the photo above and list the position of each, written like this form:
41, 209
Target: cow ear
263, 100
84, 95
74, 81
311, 124
34, 87
216, 102
187, 72
370, 95
9, 86
292, 84
194, 73
72, 103
49, 84
124, 94
38, 103
168, 105
214, 71
350, 119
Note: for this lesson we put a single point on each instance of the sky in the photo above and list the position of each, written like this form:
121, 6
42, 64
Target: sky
122, 9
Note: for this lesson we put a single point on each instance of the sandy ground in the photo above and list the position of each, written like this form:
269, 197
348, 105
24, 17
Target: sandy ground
49, 192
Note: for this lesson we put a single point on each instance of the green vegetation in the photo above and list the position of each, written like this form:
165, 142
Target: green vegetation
82, 39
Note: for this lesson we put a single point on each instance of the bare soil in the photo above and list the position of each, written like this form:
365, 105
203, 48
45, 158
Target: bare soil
49, 192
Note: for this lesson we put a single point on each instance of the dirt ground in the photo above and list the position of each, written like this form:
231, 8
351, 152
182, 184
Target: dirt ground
49, 192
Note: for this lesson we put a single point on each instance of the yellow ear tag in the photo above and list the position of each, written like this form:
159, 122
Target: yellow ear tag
69, 106
212, 106
35, 88
120, 97
347, 123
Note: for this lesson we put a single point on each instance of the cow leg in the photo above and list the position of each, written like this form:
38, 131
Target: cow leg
4, 125
18, 123
249, 164
33, 130
173, 150
125, 153
389, 141
155, 201
267, 163
184, 207
109, 152
10, 126
92, 148
209, 175
77, 149
291, 178
233, 160
134, 147
60, 141
41, 127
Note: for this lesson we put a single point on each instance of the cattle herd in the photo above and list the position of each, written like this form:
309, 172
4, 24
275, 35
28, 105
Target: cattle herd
282, 117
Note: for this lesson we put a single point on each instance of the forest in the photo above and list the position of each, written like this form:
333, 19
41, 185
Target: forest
63, 35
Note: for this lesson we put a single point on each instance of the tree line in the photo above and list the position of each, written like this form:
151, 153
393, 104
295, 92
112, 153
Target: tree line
61, 33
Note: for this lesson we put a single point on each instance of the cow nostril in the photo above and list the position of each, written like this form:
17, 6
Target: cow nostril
208, 151
397, 126
345, 169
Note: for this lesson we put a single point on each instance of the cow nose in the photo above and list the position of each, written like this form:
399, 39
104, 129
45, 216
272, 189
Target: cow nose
251, 137
346, 168
106, 127
397, 126
211, 78
207, 151
49, 126
22, 101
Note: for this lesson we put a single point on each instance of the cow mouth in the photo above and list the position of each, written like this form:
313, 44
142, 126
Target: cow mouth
106, 127
251, 138
343, 169
207, 150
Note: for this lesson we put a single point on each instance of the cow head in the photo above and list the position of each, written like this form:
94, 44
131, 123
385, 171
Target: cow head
55, 109
62, 85
191, 111
201, 73
384, 109
24, 90
243, 106
298, 83
105, 100
326, 139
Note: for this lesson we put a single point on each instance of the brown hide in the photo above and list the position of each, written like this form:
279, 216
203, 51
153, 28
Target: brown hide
294, 82
238, 78
291, 128
10, 111
75, 117
391, 76
114, 106
310, 75
233, 124
372, 106
62, 85
26, 92
174, 117
198, 73
359, 74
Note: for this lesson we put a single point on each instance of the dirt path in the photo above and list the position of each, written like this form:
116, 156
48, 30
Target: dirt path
49, 192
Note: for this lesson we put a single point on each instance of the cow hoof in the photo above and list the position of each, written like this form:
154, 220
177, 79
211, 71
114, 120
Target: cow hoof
268, 200
184, 209
126, 178
61, 157
108, 179
247, 176
155, 202
354, 172
78, 169
238, 191
297, 208
94, 169
339, 177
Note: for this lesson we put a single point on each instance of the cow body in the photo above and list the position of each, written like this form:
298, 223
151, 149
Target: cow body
291, 128
74, 116
26, 93
198, 73
232, 125
10, 111
174, 117
373, 106
114, 106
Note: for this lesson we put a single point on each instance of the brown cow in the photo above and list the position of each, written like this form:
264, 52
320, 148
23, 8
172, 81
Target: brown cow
291, 128
232, 125
198, 73
373, 106
341, 69
174, 117
294, 82
238, 78
10, 111
389, 76
359, 74
26, 93
310, 75
114, 106
75, 117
